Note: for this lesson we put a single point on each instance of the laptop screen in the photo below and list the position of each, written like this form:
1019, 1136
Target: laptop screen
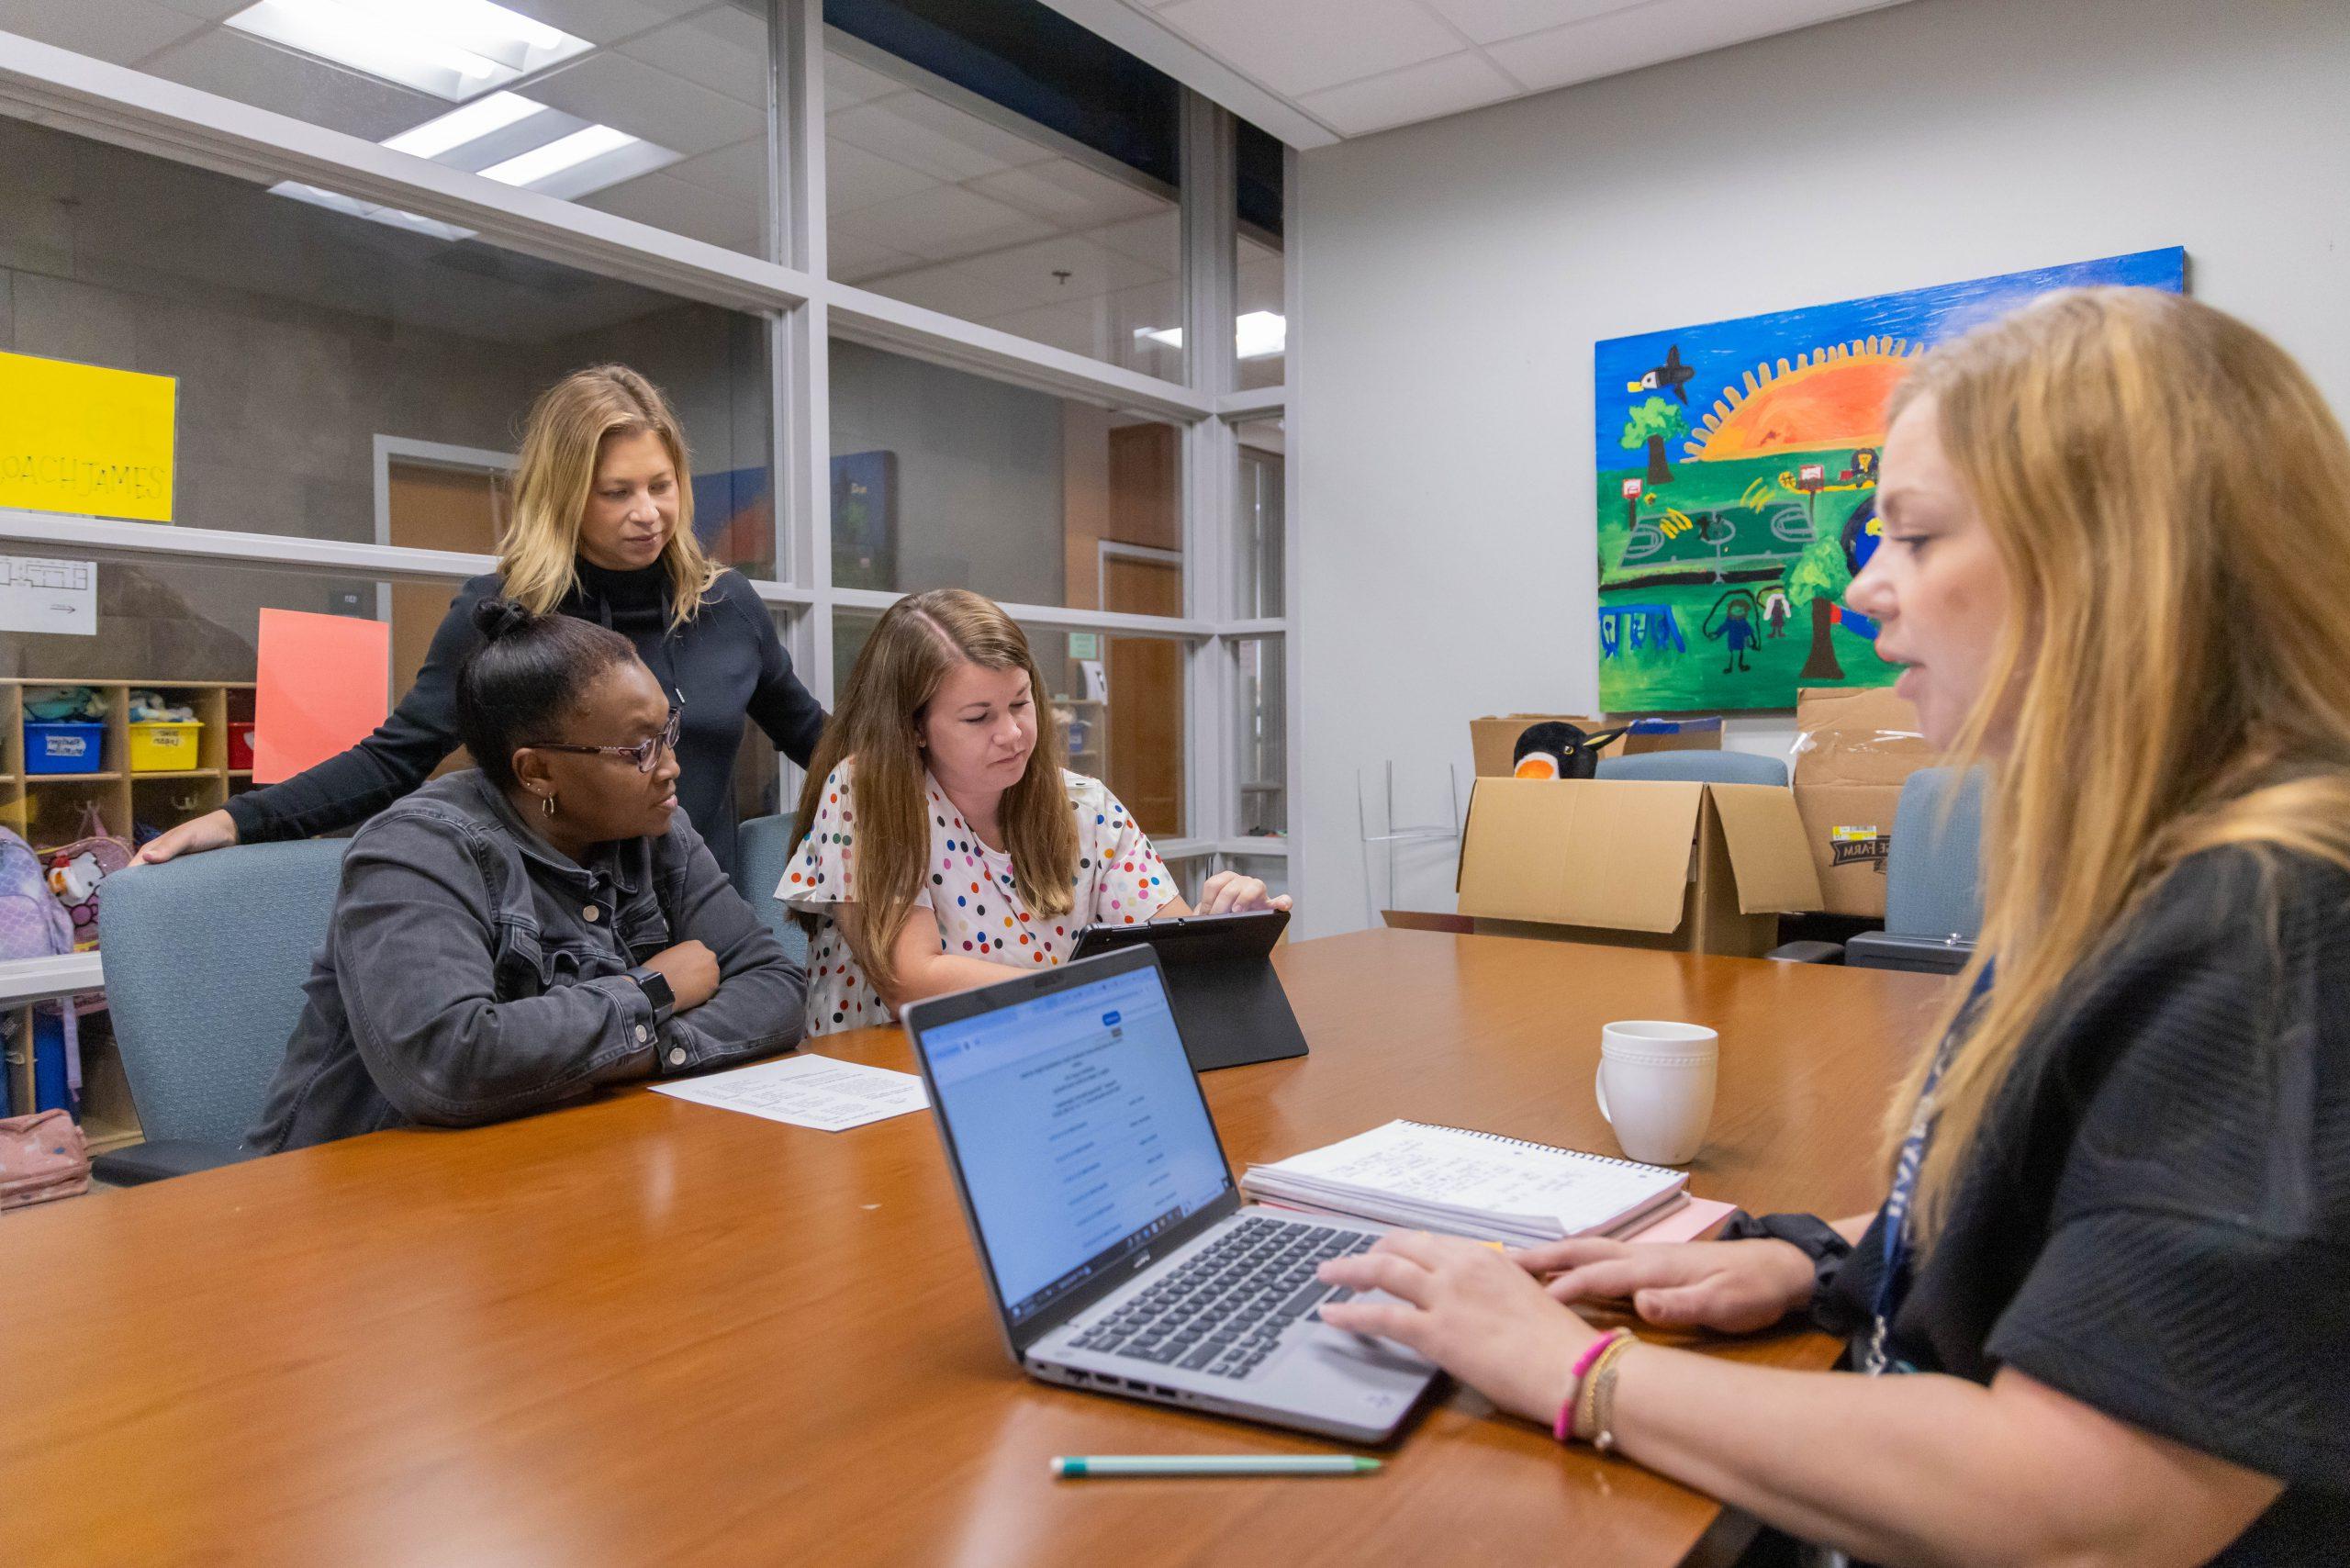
1080, 1129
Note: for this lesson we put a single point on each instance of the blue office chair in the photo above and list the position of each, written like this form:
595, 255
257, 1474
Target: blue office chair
762, 849
205, 961
1933, 886
1698, 768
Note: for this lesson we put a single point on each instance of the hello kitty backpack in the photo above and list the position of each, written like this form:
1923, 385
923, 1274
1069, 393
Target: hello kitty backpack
33, 924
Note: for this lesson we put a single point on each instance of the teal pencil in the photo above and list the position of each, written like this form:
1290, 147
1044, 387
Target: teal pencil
1071, 1466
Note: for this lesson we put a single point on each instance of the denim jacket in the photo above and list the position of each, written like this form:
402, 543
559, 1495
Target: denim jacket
473, 974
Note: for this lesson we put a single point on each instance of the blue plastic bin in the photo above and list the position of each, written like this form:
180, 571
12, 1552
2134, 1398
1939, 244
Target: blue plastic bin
63, 748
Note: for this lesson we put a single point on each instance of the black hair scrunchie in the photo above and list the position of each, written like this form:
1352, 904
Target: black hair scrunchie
497, 617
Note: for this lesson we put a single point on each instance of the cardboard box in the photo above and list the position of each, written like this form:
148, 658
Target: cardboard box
1854, 751
1493, 741
1691, 868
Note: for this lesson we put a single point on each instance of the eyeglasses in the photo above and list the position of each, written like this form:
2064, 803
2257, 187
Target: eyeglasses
644, 753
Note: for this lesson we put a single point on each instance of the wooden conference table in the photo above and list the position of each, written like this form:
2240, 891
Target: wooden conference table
644, 1331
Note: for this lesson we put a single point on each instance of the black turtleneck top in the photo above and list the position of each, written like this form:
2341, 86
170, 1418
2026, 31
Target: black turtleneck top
724, 664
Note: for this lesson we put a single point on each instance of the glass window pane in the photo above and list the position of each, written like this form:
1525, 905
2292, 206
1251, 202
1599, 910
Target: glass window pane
301, 336
652, 117
945, 479
1259, 535
1260, 331
992, 160
1119, 702
1260, 737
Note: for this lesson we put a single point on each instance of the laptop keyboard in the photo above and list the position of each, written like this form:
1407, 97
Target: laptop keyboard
1223, 1312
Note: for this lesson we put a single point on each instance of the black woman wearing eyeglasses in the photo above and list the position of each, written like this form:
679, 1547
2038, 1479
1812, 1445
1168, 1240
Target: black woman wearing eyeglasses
521, 934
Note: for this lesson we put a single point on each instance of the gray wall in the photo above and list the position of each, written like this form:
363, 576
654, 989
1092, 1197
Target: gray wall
1457, 274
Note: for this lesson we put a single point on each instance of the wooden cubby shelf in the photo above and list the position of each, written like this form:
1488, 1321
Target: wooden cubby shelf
48, 808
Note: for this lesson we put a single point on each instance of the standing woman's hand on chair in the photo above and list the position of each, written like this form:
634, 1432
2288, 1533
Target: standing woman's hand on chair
213, 830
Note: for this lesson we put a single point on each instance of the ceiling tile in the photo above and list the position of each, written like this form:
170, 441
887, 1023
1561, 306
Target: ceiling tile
847, 83
1489, 21
1068, 195
942, 224
1026, 273
1301, 46
935, 138
615, 90
1158, 238
692, 210
1443, 86
722, 49
1660, 30
1261, 285
853, 260
950, 289
121, 31
855, 179
738, 173
237, 66
597, 21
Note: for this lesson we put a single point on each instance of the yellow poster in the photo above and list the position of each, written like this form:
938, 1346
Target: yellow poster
78, 438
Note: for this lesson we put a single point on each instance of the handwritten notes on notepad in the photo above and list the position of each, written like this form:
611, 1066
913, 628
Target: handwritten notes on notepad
808, 1092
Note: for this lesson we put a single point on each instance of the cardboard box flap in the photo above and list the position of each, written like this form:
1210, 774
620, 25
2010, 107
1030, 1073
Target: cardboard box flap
1862, 736
1768, 853
1579, 853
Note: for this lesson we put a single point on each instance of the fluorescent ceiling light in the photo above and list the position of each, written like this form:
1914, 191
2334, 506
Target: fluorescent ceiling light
334, 201
1257, 335
452, 49
461, 126
541, 164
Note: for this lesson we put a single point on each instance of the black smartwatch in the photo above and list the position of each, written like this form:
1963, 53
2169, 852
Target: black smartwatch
1808, 1234
657, 994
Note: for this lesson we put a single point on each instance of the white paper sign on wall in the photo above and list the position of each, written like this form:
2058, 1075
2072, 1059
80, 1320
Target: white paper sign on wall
41, 593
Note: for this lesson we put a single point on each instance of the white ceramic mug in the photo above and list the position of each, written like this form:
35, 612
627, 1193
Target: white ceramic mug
1655, 1086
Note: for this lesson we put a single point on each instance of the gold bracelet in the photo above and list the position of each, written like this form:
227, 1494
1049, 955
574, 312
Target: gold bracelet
1603, 1404
1591, 1414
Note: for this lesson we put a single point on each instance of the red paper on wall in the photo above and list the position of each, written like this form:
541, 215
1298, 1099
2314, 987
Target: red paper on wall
324, 686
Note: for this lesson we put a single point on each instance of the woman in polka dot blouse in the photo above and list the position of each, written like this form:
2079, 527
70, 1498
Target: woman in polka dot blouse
943, 842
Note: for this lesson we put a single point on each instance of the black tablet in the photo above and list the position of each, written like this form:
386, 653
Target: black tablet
1228, 1001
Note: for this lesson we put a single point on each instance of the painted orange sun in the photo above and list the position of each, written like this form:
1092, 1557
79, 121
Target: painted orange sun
1830, 398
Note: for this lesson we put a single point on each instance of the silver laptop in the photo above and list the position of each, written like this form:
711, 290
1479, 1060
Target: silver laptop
1109, 1226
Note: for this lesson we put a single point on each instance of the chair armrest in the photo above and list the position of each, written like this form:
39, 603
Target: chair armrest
1808, 953
1919, 955
145, 1163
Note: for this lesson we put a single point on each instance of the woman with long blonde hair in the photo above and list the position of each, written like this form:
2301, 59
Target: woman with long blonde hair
603, 529
2101, 1315
942, 842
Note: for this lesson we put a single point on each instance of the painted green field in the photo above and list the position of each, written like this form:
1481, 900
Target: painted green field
1742, 522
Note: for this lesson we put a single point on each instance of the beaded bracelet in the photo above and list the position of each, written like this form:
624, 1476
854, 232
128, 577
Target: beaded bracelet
1563, 1427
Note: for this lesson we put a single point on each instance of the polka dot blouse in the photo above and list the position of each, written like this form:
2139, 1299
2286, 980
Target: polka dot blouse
968, 889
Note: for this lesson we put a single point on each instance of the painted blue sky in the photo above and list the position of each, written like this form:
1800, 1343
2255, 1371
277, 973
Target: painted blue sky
1722, 352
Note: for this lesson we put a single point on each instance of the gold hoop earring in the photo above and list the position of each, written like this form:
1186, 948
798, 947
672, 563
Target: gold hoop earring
546, 804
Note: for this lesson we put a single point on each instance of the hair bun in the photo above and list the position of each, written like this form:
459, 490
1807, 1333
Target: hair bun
497, 617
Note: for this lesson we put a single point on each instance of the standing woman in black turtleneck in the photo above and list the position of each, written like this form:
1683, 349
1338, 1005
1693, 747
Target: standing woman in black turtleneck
602, 530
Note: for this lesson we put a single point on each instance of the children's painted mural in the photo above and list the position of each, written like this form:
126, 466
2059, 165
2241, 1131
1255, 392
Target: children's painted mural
1736, 486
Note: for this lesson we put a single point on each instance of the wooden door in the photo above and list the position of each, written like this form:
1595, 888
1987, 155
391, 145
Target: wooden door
1146, 694
436, 509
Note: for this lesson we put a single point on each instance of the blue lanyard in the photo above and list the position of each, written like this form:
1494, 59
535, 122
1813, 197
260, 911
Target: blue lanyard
1893, 1282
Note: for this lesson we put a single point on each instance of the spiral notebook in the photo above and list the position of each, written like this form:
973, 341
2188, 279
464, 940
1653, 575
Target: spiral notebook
1470, 1184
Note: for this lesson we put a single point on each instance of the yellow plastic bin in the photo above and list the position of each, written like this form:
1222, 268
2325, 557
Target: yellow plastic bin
164, 748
